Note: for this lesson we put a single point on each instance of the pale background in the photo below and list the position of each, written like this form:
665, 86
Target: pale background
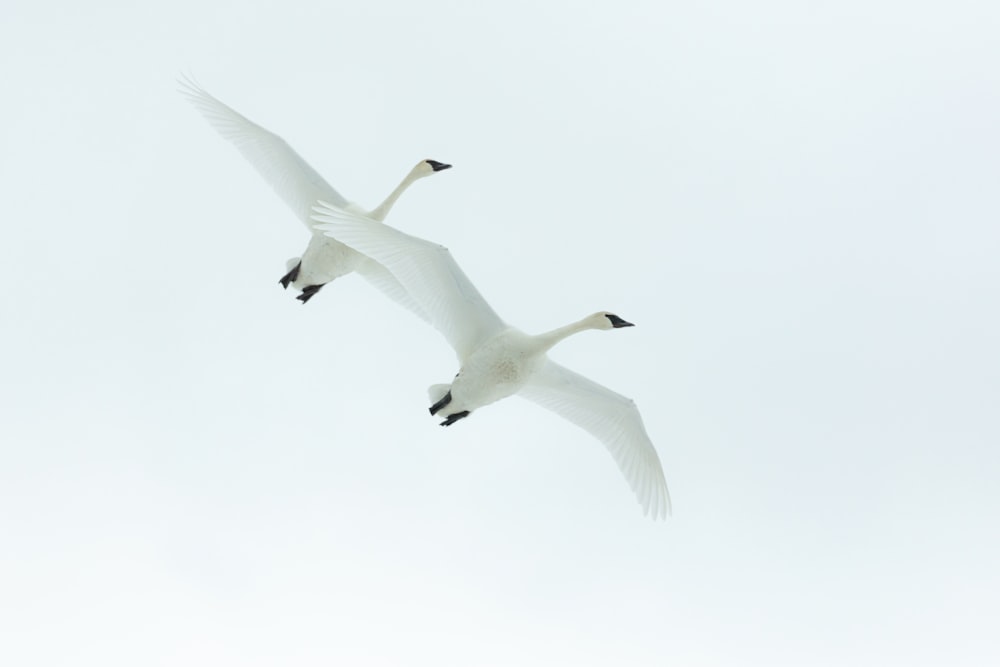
796, 203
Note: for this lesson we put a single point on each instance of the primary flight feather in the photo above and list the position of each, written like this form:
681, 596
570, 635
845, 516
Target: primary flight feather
496, 360
299, 185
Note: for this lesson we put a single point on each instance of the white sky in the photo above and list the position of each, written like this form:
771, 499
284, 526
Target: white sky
796, 203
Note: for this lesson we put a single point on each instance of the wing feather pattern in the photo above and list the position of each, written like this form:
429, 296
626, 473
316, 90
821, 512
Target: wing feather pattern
385, 282
298, 184
611, 418
425, 270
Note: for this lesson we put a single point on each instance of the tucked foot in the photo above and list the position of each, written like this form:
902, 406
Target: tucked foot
291, 276
308, 292
445, 400
455, 417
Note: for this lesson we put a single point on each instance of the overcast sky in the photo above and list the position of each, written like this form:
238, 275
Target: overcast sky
796, 203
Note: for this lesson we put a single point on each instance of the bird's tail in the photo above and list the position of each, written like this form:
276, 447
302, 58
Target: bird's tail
437, 391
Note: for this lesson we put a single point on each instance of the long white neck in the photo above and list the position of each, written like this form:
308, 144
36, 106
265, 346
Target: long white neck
550, 338
382, 210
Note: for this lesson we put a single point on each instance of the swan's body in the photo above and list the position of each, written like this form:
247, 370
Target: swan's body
300, 186
497, 360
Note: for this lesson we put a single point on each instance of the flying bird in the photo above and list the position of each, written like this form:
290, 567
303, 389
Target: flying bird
300, 186
497, 360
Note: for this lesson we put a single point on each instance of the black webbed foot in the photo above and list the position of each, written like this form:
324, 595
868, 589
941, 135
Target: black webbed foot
291, 276
445, 400
455, 417
308, 292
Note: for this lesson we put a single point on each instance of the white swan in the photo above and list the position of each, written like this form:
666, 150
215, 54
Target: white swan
497, 360
300, 186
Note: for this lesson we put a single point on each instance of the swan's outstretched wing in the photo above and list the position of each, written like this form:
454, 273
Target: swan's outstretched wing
426, 271
385, 282
290, 176
612, 419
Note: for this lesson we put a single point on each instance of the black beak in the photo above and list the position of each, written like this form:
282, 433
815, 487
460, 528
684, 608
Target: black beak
618, 322
438, 166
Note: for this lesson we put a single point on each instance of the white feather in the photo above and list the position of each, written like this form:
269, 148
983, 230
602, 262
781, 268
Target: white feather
496, 359
300, 186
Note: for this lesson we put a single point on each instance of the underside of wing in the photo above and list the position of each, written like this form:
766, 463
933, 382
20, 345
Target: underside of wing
298, 184
385, 282
424, 269
611, 418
